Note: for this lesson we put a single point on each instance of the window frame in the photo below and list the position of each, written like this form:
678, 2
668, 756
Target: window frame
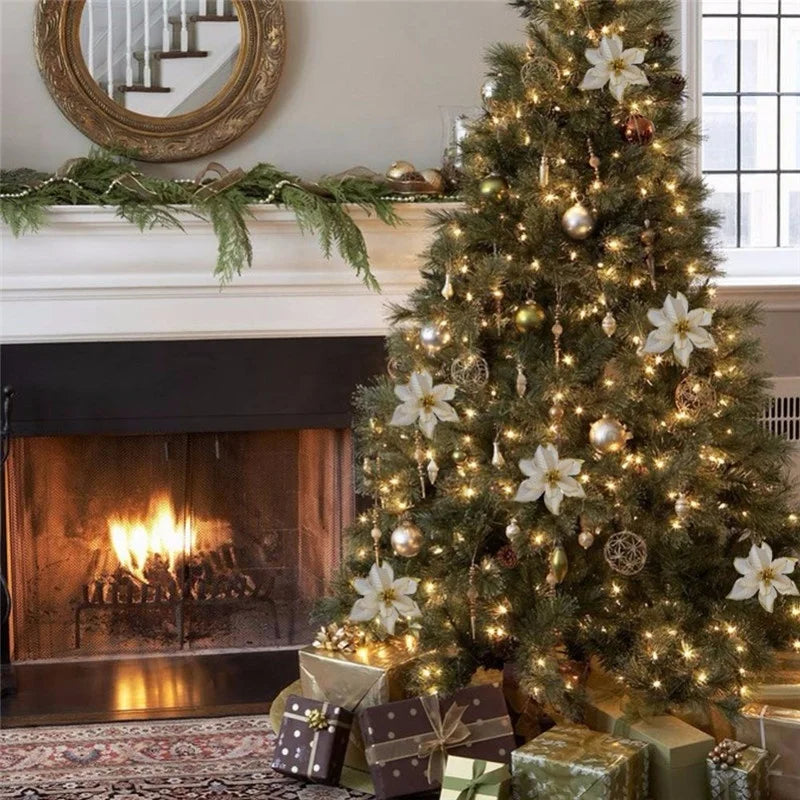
772, 268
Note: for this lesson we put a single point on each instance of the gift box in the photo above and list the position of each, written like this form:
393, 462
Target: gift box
475, 779
372, 675
407, 742
312, 740
574, 763
678, 750
783, 689
776, 730
746, 779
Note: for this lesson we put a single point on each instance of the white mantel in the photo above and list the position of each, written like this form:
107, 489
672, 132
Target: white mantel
88, 275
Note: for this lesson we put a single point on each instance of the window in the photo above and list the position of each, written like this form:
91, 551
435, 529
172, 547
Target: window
751, 119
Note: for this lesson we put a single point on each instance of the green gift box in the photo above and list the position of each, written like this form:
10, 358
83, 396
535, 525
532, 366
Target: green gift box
747, 779
474, 779
678, 750
574, 763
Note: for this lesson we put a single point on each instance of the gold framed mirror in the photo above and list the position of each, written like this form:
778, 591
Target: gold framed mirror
166, 80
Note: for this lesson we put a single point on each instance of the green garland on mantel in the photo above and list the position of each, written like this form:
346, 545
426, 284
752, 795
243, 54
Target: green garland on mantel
108, 179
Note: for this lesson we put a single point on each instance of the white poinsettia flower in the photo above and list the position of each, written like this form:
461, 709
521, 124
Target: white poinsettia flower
763, 575
384, 597
614, 66
679, 328
424, 403
550, 476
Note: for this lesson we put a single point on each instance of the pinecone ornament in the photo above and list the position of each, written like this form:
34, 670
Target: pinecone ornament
507, 557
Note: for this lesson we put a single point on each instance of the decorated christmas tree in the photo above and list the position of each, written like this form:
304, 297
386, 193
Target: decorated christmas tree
565, 462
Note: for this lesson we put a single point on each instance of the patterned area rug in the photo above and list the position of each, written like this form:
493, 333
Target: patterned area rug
207, 759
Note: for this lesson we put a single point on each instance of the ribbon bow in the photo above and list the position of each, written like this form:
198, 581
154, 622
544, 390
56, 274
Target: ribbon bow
469, 788
316, 719
446, 733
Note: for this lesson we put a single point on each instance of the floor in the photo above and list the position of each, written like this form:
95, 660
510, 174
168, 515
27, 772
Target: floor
169, 687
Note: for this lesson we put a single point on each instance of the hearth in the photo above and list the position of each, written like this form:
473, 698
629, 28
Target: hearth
175, 498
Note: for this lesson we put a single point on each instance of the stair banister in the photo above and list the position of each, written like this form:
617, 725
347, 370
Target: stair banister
90, 47
128, 43
165, 36
184, 28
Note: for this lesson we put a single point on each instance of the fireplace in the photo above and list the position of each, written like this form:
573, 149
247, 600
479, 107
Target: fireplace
170, 499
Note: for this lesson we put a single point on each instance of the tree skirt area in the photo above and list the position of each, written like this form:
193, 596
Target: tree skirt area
197, 759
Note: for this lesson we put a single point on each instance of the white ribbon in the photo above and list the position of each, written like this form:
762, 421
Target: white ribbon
332, 723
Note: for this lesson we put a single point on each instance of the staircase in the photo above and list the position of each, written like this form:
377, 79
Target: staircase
199, 41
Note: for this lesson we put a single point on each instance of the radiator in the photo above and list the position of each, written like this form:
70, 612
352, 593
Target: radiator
782, 417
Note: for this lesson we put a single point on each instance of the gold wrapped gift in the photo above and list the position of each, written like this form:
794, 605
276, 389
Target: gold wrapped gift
783, 689
573, 763
372, 675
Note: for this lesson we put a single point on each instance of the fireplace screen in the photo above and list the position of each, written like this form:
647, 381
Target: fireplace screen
156, 544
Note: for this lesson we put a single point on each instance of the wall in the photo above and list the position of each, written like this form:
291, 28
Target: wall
362, 85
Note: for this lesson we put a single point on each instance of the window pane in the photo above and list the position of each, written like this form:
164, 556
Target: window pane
759, 219
723, 200
759, 6
719, 128
720, 6
759, 55
790, 55
719, 55
790, 212
759, 132
790, 7
790, 132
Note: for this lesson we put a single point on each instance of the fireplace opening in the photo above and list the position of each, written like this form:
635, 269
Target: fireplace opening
172, 543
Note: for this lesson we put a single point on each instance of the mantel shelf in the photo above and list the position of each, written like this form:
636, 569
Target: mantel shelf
89, 275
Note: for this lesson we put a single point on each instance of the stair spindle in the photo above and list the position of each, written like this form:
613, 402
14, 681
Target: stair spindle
220, 8
147, 77
203, 8
128, 43
184, 28
166, 44
110, 51
90, 48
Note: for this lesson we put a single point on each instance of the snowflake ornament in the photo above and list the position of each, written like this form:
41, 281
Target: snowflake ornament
423, 403
384, 598
679, 328
763, 575
614, 66
550, 476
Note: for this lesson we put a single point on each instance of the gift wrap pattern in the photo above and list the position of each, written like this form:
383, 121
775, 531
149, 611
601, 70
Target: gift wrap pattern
407, 742
574, 763
475, 779
312, 740
748, 779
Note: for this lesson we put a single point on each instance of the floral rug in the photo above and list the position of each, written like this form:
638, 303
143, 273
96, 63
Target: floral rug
206, 759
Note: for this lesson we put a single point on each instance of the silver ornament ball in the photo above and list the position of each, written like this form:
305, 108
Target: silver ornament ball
513, 529
682, 506
406, 539
609, 324
489, 89
431, 337
375, 533
577, 222
585, 539
608, 435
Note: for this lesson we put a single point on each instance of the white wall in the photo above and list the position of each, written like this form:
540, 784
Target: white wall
362, 85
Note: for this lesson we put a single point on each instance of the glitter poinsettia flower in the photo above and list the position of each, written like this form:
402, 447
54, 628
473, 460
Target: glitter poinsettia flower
550, 476
424, 403
384, 597
763, 575
614, 66
679, 328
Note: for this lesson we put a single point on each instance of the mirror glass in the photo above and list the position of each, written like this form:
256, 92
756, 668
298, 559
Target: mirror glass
160, 58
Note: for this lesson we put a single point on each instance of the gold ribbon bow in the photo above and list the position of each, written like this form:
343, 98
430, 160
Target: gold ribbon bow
226, 179
316, 719
446, 733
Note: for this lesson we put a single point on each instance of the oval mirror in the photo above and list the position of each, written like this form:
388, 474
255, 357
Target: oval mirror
166, 80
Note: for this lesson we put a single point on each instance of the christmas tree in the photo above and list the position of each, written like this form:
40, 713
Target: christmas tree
565, 462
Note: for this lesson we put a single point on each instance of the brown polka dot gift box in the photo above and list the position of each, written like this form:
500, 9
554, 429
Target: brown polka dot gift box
407, 743
312, 740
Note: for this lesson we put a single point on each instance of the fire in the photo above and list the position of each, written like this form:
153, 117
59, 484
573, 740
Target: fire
135, 540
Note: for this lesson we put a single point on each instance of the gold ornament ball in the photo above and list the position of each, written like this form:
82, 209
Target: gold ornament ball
608, 435
493, 186
406, 539
529, 317
609, 324
434, 179
626, 552
399, 170
559, 563
556, 413
694, 396
578, 222
638, 130
458, 456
